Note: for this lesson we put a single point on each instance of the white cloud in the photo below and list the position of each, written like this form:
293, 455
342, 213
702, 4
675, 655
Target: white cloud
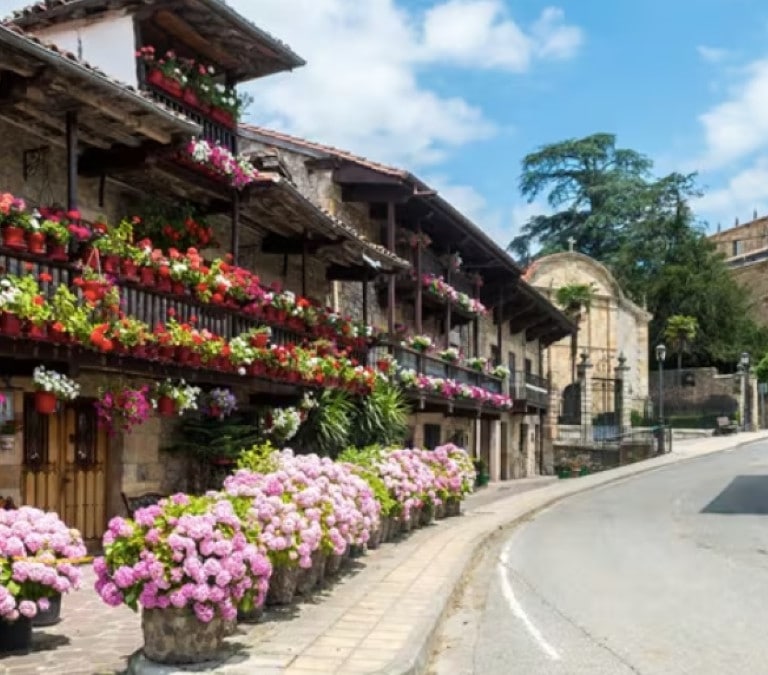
738, 127
743, 193
713, 54
361, 88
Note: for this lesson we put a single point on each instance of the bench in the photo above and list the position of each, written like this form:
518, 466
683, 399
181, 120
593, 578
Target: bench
725, 426
133, 504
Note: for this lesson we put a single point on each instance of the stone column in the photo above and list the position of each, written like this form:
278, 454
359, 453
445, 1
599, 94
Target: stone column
584, 370
622, 379
494, 443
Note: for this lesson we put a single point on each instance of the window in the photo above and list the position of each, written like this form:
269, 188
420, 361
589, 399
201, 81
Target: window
432, 434
738, 247
528, 367
495, 355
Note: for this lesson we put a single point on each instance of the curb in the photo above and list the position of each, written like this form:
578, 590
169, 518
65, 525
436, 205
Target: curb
410, 663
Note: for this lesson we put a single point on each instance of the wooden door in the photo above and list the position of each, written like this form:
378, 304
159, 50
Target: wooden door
65, 465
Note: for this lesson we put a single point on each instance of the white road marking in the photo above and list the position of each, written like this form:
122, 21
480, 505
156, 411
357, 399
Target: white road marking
519, 612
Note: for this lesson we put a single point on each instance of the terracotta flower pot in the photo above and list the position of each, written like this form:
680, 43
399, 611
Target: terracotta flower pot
94, 290
166, 406
45, 402
166, 352
183, 354
167, 84
163, 284
36, 243
260, 340
147, 276
56, 250
178, 287
13, 237
128, 270
37, 331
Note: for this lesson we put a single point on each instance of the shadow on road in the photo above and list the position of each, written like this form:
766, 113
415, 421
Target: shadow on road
745, 495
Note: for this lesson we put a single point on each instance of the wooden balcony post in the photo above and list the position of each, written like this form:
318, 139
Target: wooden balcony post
448, 311
304, 265
476, 324
499, 326
419, 287
392, 277
235, 227
71, 130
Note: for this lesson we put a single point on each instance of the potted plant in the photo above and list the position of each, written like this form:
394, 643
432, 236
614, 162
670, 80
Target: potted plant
478, 363
8, 430
419, 343
181, 626
35, 235
70, 319
93, 284
450, 355
175, 398
13, 221
219, 403
38, 562
123, 408
50, 387
57, 238
502, 372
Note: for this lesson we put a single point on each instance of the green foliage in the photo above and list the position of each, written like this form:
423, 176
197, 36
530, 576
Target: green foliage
761, 369
210, 438
327, 427
574, 297
381, 418
363, 463
260, 458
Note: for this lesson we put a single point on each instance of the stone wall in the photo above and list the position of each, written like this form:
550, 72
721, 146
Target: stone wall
742, 239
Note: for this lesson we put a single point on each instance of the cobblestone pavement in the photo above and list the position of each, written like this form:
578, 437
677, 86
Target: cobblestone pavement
384, 609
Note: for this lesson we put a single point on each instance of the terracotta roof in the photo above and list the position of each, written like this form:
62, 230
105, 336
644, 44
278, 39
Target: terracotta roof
16, 37
53, 11
329, 150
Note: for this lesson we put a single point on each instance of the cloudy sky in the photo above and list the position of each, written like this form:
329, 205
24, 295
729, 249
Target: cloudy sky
459, 91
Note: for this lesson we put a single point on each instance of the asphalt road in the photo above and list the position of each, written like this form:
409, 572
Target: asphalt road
666, 572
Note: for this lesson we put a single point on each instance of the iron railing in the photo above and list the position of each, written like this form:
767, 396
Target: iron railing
534, 389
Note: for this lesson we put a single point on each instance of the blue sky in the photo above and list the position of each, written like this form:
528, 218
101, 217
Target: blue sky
458, 91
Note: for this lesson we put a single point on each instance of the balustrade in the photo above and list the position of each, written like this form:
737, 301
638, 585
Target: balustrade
528, 387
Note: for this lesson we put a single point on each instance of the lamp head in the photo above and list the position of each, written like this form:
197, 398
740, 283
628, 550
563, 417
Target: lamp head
745, 360
661, 353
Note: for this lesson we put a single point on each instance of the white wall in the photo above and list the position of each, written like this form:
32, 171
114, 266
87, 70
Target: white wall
108, 44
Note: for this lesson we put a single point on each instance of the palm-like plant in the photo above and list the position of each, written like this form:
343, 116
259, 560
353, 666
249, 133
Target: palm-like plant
680, 332
381, 418
327, 427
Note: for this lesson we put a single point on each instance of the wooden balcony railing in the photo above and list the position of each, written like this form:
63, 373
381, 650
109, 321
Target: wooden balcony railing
533, 389
436, 367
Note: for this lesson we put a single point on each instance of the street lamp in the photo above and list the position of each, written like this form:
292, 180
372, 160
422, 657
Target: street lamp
661, 354
744, 363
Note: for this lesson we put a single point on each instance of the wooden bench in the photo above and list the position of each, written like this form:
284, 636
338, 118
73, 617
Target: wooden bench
133, 504
725, 426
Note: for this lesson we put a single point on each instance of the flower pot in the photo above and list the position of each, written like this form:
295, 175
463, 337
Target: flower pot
110, 264
94, 290
311, 576
166, 352
183, 354
7, 442
10, 324
252, 615
55, 334
13, 237
128, 270
282, 585
440, 511
56, 250
36, 243
163, 284
333, 564
45, 402
260, 340
178, 287
15, 636
147, 276
223, 117
37, 331
416, 517
166, 406
427, 514
190, 98
383, 365
176, 636
452, 507
167, 84
50, 616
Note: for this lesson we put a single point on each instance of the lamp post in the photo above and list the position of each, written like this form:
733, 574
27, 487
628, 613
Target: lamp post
661, 355
744, 363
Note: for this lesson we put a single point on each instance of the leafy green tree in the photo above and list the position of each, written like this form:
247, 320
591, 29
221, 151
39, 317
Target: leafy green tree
680, 332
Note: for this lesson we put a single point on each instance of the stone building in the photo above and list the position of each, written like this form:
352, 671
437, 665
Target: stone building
745, 248
612, 327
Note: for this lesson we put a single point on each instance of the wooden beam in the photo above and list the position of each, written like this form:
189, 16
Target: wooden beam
119, 159
392, 286
281, 245
39, 113
72, 149
374, 193
419, 287
181, 30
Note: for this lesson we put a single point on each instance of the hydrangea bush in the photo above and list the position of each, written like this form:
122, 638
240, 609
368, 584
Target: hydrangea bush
196, 552
38, 560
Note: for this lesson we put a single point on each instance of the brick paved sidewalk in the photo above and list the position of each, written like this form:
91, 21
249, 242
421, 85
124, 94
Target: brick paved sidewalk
380, 616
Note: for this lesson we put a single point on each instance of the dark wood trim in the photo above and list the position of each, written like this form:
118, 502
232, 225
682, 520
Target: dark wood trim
419, 288
71, 125
392, 285
235, 226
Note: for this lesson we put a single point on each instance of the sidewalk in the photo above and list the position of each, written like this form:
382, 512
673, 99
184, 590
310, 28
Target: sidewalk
380, 617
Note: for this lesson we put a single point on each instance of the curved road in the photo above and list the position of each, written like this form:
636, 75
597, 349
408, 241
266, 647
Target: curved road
663, 573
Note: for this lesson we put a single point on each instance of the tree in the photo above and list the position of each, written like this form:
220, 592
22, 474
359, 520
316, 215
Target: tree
595, 189
644, 230
680, 331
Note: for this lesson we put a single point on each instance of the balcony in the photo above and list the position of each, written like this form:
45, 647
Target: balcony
528, 391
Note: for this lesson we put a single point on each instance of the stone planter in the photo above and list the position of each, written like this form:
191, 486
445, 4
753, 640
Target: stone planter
416, 517
176, 636
377, 536
453, 507
312, 576
333, 564
427, 514
282, 585
252, 615
440, 511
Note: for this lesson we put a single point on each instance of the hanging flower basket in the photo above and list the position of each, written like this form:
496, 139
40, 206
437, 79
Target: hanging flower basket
166, 406
13, 237
45, 402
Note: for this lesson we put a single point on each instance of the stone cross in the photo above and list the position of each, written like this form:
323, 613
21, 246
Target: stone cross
571, 242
